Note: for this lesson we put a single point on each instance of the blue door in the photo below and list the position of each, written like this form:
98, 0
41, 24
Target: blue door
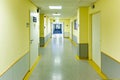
57, 29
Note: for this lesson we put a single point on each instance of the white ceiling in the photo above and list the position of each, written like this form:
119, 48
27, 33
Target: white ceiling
69, 7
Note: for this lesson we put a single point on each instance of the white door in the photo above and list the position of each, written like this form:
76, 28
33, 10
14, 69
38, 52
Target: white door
96, 55
34, 36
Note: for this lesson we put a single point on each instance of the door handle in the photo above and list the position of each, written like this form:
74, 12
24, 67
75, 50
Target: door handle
31, 41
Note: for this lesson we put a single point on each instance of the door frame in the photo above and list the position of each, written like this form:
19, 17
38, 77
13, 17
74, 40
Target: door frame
72, 30
91, 16
58, 23
30, 12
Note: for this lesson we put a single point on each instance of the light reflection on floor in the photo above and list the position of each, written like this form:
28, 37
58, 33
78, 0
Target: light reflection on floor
56, 77
58, 62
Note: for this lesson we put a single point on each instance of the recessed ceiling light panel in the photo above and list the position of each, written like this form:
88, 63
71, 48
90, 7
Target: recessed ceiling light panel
55, 7
56, 14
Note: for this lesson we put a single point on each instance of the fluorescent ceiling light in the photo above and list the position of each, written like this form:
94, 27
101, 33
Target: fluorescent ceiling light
56, 14
55, 7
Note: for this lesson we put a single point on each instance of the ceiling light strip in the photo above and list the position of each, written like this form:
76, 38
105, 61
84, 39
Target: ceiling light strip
55, 7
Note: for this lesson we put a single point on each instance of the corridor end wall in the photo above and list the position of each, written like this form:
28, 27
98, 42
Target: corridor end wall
66, 26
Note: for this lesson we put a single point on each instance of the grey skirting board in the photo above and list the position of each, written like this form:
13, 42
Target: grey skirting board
83, 50
110, 67
74, 38
43, 40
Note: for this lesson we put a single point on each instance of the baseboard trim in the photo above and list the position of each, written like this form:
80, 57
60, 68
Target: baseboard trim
47, 42
98, 70
74, 38
42, 41
66, 37
110, 66
83, 50
74, 43
77, 57
110, 57
27, 76
14, 62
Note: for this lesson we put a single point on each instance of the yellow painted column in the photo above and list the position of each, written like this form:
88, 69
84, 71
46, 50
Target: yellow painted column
41, 30
41, 25
82, 17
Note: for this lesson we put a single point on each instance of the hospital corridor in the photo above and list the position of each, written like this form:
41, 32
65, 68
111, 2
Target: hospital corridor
59, 40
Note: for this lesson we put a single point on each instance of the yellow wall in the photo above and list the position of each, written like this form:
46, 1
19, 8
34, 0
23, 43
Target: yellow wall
66, 23
110, 26
71, 28
90, 37
49, 26
44, 25
82, 22
83, 18
47, 29
75, 32
41, 25
14, 35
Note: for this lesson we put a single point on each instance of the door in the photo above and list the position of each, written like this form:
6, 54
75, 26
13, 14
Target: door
57, 29
72, 30
96, 55
34, 36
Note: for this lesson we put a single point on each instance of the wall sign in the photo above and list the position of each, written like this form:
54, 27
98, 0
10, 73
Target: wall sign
34, 19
